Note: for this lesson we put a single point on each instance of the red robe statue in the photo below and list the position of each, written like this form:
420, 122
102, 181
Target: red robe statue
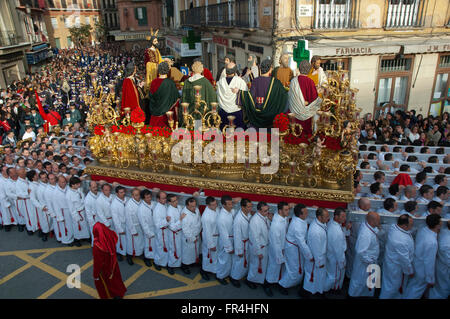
107, 277
130, 95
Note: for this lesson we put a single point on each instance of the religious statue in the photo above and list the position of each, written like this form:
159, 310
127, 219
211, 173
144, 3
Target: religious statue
152, 59
284, 72
130, 95
316, 73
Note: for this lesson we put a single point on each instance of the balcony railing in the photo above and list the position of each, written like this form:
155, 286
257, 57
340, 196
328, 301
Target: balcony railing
228, 14
8, 38
405, 13
335, 14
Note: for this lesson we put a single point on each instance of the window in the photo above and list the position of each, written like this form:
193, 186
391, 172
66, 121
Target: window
141, 15
58, 43
220, 57
88, 20
404, 13
69, 42
54, 23
85, 4
64, 4
394, 81
51, 4
77, 21
335, 14
440, 99
67, 22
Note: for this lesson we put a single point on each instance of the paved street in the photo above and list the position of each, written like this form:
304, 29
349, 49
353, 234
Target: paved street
31, 268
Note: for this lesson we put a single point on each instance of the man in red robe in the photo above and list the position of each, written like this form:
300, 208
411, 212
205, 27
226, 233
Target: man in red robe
130, 95
303, 99
51, 118
107, 277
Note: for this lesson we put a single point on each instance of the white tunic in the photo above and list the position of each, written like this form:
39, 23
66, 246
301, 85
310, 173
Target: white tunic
11, 194
75, 199
191, 226
41, 196
239, 269
24, 205
259, 239
6, 206
398, 263
90, 205
48, 199
145, 215
174, 236
336, 247
134, 232
277, 239
226, 97
103, 211
210, 236
117, 211
162, 234
425, 250
296, 251
367, 251
441, 289
316, 272
225, 243
41, 216
63, 215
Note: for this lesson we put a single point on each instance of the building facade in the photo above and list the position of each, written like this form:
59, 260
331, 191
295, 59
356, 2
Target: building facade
60, 15
136, 19
23, 39
110, 17
397, 51
238, 28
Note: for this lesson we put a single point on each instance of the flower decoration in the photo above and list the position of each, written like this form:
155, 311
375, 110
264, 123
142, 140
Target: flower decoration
137, 115
281, 121
99, 130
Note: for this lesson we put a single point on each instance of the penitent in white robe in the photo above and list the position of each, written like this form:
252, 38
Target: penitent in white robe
259, 239
103, 210
6, 206
145, 215
47, 194
174, 236
239, 268
90, 205
38, 204
296, 251
24, 205
277, 239
162, 234
425, 250
441, 289
316, 272
367, 250
117, 211
63, 215
75, 200
191, 226
134, 232
398, 263
210, 236
225, 243
10, 189
336, 247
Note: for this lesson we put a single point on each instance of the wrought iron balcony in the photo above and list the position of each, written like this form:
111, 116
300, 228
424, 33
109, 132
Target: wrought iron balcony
405, 13
9, 38
335, 14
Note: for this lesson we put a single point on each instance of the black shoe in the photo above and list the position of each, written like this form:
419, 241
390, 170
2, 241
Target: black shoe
44, 237
147, 262
170, 270
267, 290
222, 281
70, 244
30, 233
157, 267
185, 269
250, 284
119, 257
1, 227
283, 290
20, 228
77, 243
130, 260
204, 275
8, 228
40, 233
235, 283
